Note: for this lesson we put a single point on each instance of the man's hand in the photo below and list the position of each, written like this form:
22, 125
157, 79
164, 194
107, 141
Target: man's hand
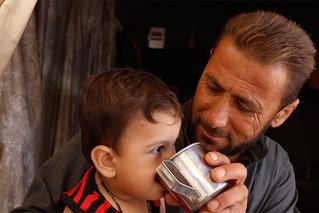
234, 197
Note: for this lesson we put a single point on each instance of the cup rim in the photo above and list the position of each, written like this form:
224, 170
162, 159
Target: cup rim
185, 148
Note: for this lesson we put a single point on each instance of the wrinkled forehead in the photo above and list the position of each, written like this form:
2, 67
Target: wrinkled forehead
234, 70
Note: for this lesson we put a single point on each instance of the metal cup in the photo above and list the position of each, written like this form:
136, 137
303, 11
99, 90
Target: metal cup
186, 175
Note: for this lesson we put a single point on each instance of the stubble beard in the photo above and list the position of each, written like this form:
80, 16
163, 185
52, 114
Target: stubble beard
231, 149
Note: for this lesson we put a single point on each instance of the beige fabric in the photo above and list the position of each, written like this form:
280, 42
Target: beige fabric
20, 111
19, 105
14, 15
1, 1
63, 43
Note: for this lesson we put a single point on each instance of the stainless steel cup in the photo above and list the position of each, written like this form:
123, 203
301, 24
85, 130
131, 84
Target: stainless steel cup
186, 175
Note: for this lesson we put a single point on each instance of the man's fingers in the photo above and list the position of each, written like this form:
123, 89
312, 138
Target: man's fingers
233, 171
236, 195
216, 159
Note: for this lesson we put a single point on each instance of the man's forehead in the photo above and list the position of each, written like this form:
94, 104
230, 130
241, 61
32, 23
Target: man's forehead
244, 97
230, 67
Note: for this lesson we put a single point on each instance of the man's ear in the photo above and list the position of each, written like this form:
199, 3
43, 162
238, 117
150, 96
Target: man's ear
283, 114
103, 158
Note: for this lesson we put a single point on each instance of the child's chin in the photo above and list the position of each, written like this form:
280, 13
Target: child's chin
162, 189
159, 194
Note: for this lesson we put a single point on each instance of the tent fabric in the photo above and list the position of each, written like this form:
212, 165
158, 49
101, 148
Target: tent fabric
63, 42
14, 15
18, 116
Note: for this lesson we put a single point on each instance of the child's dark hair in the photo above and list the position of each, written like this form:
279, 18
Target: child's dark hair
110, 99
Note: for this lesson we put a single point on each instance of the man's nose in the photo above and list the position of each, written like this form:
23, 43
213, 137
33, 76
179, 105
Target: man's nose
219, 113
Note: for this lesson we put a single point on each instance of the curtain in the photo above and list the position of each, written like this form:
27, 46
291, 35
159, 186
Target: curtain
76, 39
14, 16
20, 98
63, 43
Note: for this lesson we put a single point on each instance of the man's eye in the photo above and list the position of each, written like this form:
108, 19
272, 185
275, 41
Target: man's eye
157, 149
213, 89
245, 109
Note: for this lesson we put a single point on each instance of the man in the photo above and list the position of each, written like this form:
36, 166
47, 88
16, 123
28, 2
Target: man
250, 82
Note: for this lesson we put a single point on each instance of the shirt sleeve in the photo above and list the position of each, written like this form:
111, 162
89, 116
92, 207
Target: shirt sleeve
284, 193
271, 182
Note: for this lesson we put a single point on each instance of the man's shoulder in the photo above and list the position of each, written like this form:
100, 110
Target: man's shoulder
70, 150
58, 174
67, 160
275, 159
269, 175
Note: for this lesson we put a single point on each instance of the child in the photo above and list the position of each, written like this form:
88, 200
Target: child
129, 123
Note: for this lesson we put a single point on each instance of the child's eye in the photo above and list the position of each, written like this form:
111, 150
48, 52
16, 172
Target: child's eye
157, 149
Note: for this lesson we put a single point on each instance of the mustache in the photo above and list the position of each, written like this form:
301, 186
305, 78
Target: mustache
219, 132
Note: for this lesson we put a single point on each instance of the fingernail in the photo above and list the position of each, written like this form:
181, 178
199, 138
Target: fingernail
213, 156
220, 173
213, 204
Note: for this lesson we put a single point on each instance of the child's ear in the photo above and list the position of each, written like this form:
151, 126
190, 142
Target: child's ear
103, 158
283, 114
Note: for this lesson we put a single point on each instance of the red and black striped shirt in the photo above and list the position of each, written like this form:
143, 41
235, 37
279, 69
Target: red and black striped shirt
85, 197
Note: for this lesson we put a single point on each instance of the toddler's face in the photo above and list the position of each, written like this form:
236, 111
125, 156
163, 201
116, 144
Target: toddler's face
143, 146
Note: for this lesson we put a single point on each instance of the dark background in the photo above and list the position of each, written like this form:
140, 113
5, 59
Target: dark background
191, 30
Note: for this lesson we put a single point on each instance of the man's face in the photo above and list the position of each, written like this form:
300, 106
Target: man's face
236, 99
